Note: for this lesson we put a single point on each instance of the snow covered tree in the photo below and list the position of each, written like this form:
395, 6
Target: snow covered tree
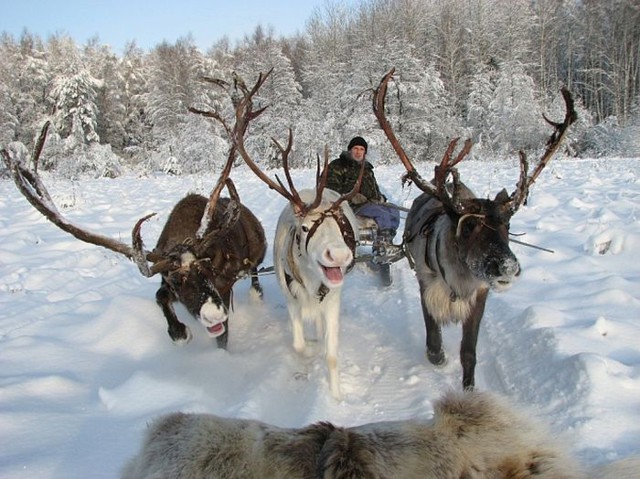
515, 117
103, 65
136, 122
25, 72
257, 54
478, 108
75, 113
8, 122
175, 84
74, 148
325, 76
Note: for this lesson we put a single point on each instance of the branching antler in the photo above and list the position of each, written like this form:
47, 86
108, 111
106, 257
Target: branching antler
442, 171
519, 196
241, 102
33, 189
447, 167
244, 114
321, 180
379, 97
291, 194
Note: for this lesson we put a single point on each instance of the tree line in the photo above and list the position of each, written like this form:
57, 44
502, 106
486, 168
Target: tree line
484, 69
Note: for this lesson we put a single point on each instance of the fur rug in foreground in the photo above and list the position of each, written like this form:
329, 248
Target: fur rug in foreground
472, 436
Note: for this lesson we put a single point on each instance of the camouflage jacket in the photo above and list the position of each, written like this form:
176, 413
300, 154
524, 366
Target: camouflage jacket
343, 174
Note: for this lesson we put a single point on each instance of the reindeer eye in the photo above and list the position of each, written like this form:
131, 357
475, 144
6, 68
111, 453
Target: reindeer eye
304, 228
467, 226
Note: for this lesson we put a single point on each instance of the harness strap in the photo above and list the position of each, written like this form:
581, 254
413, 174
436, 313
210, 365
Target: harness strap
295, 274
428, 231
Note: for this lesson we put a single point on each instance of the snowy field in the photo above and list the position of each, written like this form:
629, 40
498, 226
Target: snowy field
87, 362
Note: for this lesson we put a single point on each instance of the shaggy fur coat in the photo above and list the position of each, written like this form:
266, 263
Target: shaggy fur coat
472, 436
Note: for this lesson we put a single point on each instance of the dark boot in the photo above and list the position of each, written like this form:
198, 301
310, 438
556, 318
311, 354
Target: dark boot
384, 251
385, 274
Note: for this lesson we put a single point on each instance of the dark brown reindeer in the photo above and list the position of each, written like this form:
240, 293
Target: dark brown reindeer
458, 244
206, 245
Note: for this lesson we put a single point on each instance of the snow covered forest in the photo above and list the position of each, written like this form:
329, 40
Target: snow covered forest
484, 69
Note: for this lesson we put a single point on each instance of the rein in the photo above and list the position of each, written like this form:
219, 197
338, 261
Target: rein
469, 215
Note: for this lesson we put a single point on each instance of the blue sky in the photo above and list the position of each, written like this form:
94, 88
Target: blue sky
149, 22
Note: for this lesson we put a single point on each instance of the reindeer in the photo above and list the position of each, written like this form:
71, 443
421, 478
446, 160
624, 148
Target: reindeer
472, 435
206, 245
314, 246
458, 244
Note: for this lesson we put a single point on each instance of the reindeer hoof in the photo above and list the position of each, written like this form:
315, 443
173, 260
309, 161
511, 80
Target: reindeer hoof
181, 337
258, 290
256, 294
221, 341
437, 359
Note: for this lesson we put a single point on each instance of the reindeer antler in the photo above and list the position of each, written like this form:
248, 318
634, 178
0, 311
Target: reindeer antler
519, 196
33, 189
379, 97
442, 171
244, 114
244, 105
446, 168
292, 193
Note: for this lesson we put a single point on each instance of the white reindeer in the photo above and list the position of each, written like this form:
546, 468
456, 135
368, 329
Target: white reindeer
314, 246
313, 250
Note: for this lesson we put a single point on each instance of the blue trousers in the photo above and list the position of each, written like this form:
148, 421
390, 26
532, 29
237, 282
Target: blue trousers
386, 217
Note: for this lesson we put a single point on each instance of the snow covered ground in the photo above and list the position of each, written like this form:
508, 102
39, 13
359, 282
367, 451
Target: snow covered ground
86, 360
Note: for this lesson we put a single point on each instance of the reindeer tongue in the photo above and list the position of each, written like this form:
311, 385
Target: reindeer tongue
216, 330
333, 274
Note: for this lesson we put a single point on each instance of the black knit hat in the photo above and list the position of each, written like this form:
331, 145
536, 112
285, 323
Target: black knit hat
358, 141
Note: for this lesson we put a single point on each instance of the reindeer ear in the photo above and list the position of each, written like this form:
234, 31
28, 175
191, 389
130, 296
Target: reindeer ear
504, 204
502, 197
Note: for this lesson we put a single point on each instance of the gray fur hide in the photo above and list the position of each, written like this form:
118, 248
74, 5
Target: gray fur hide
472, 436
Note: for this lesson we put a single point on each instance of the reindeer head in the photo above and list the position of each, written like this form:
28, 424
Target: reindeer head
201, 270
479, 233
325, 235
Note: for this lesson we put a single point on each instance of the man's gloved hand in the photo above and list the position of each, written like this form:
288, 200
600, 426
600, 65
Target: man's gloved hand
358, 199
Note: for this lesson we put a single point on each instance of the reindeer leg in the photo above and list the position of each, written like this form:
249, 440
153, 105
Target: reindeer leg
435, 353
255, 282
223, 339
178, 332
297, 327
470, 329
332, 322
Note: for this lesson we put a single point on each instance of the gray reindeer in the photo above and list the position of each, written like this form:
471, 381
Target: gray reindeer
458, 244
472, 435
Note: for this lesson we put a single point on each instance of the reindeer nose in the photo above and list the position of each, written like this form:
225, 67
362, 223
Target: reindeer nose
508, 267
338, 256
